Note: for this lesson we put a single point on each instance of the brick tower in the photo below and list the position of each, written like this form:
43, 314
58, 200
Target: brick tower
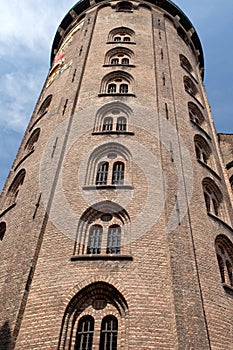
116, 217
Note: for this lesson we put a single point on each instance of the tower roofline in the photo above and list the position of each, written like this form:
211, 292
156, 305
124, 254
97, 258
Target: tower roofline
166, 5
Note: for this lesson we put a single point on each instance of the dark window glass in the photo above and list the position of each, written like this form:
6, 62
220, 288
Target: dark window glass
111, 88
117, 38
121, 124
84, 336
107, 125
221, 268
95, 240
125, 61
114, 61
123, 88
126, 38
114, 240
118, 173
108, 336
102, 174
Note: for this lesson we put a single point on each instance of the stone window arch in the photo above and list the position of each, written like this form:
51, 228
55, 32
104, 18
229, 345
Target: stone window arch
119, 56
118, 82
45, 106
213, 197
190, 87
97, 306
32, 140
184, 62
14, 188
113, 117
195, 114
203, 150
2, 230
103, 163
103, 229
121, 34
224, 252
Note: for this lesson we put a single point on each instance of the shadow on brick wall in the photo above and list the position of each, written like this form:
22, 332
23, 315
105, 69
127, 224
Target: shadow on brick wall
5, 337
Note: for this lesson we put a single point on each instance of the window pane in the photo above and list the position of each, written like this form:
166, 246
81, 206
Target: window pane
84, 336
102, 174
111, 88
118, 173
114, 240
123, 88
107, 126
125, 61
115, 61
121, 124
95, 240
108, 336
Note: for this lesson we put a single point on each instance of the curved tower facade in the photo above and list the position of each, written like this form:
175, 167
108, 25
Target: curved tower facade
116, 217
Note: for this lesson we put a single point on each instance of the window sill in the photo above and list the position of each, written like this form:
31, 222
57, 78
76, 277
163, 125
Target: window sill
121, 42
23, 159
7, 209
101, 257
108, 187
208, 168
216, 218
116, 94
119, 65
228, 288
112, 132
202, 130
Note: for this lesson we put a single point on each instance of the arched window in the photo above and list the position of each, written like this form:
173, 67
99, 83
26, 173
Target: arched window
118, 82
45, 105
123, 88
103, 229
122, 34
190, 87
108, 335
95, 240
119, 56
213, 196
98, 307
115, 61
102, 173
2, 230
121, 124
203, 151
124, 6
85, 331
109, 164
32, 140
108, 124
184, 62
195, 114
116, 113
125, 61
118, 172
112, 88
224, 251
114, 240
15, 186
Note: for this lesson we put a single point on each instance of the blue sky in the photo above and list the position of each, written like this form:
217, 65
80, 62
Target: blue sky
27, 33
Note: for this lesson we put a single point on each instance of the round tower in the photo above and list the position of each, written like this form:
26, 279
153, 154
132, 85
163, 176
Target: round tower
116, 217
